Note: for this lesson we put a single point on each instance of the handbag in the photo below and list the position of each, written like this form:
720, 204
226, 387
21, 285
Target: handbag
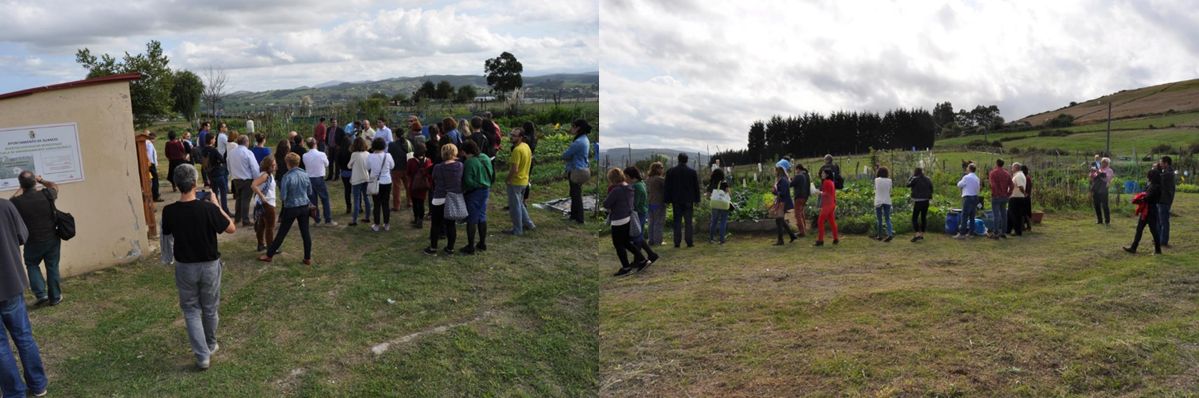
372, 187
455, 206
64, 223
776, 210
580, 176
634, 226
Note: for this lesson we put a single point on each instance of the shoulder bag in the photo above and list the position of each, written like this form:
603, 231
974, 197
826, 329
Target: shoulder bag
64, 223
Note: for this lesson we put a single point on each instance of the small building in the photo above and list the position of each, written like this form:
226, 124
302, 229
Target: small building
80, 134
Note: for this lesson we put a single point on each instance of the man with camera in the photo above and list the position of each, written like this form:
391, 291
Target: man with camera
189, 239
36, 209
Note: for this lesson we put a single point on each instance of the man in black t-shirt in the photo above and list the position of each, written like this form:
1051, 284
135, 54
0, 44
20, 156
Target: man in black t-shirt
43, 244
189, 239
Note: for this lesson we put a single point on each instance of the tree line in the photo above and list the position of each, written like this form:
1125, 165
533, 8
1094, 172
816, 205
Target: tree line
815, 134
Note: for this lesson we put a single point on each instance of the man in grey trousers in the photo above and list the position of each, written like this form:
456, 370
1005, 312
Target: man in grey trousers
189, 239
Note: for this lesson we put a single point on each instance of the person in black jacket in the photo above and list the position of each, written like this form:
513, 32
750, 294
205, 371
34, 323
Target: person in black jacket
922, 194
682, 193
1166, 165
1153, 195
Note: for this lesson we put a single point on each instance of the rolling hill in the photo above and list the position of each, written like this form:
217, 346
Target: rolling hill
574, 85
1179, 96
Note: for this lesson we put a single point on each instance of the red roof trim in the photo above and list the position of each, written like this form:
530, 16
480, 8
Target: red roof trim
80, 83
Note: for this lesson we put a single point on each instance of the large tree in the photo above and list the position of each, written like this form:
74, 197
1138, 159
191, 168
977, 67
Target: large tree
150, 96
757, 140
186, 93
503, 73
444, 90
427, 90
943, 115
465, 94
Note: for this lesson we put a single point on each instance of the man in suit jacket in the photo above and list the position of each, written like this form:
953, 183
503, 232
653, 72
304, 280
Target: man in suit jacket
682, 193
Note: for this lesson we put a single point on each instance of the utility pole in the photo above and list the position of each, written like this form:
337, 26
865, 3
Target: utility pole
1109, 128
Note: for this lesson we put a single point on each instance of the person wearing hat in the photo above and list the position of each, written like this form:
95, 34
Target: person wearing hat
577, 166
519, 164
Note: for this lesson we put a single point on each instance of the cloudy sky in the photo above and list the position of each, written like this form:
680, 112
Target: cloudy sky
694, 74
273, 44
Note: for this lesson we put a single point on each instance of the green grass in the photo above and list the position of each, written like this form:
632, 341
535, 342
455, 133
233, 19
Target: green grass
1060, 312
1127, 134
522, 318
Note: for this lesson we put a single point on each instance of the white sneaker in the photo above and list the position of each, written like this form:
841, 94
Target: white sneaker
331, 224
203, 365
375, 227
387, 227
214, 348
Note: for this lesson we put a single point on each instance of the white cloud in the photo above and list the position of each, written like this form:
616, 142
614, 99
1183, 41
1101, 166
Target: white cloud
697, 73
283, 44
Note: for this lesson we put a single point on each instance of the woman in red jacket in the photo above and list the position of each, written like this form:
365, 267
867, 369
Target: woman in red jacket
420, 182
828, 192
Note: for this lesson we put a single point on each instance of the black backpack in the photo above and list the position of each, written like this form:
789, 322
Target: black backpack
64, 223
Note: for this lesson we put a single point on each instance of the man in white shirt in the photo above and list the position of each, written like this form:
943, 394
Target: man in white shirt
383, 132
368, 133
315, 163
1019, 204
152, 155
970, 186
222, 142
243, 168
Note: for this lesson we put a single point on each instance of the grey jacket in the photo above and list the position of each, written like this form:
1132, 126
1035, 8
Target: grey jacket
13, 279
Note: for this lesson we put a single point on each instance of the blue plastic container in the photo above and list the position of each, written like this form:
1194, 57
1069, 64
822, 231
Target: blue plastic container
980, 227
1131, 187
951, 221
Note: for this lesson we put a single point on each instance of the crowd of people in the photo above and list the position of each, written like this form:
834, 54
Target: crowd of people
446, 167
636, 231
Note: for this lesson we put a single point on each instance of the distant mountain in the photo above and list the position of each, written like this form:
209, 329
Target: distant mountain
1178, 96
576, 84
618, 157
330, 83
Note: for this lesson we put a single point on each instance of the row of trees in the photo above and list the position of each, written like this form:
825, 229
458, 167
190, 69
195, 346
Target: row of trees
814, 134
442, 91
980, 120
160, 93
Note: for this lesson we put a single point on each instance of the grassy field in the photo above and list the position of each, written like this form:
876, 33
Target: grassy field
1127, 134
1061, 311
519, 320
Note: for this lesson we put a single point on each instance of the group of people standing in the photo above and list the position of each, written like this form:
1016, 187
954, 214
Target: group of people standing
1011, 189
1011, 200
446, 166
1153, 206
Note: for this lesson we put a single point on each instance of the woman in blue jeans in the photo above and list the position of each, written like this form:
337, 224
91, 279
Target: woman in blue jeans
359, 177
641, 209
882, 204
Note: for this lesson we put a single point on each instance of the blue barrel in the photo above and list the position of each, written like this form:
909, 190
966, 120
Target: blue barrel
980, 227
1130, 187
951, 221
